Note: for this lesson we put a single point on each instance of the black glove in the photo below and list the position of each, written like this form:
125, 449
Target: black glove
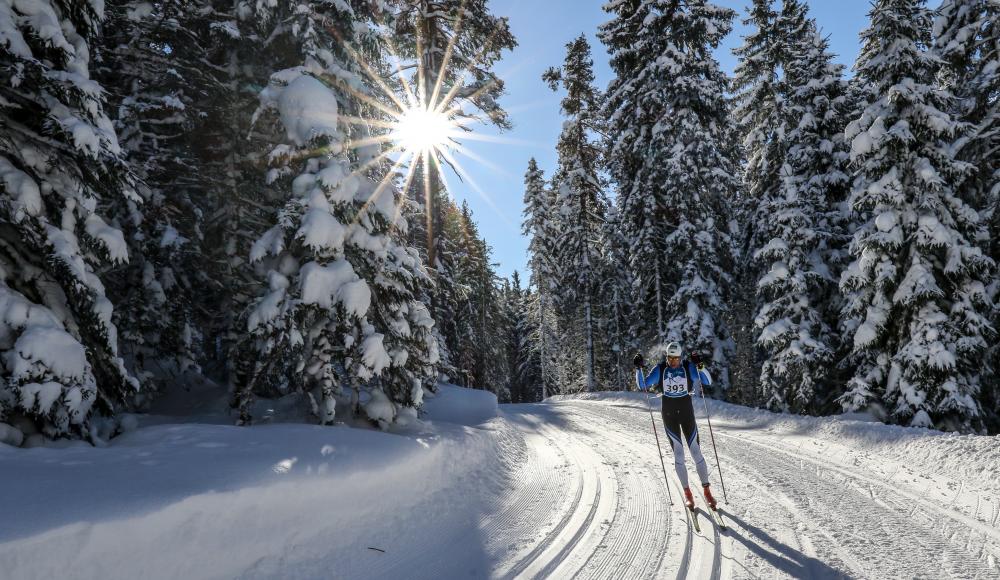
695, 358
637, 361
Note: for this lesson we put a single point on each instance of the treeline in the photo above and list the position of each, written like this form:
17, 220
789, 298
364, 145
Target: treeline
205, 188
830, 243
198, 188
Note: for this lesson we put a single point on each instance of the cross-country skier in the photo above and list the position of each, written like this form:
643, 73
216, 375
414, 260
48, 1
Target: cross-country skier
675, 380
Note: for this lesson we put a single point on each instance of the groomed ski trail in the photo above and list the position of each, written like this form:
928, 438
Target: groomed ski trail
589, 501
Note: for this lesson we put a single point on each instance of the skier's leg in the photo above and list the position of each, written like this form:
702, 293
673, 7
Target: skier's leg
672, 425
690, 427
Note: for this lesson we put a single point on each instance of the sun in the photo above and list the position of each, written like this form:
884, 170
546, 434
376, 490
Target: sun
419, 130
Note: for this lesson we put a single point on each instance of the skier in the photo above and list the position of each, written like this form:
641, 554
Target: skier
674, 380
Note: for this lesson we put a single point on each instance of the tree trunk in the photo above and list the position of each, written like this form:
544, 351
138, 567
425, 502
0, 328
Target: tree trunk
590, 344
659, 302
541, 330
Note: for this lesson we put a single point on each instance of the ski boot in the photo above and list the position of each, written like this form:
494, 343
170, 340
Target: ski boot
708, 495
688, 498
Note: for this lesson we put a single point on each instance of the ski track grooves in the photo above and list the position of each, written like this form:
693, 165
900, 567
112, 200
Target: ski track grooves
938, 536
694, 552
801, 508
696, 558
556, 550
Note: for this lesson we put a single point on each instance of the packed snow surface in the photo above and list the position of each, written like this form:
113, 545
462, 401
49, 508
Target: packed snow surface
567, 488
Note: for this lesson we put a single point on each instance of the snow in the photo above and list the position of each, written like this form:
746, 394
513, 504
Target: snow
321, 231
269, 307
272, 242
567, 488
452, 404
21, 187
10, 435
111, 238
373, 353
40, 396
379, 408
324, 284
886, 221
49, 348
308, 109
861, 145
165, 500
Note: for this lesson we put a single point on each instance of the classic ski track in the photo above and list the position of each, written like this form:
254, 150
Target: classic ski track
535, 489
823, 513
688, 552
696, 559
523, 562
876, 518
643, 527
567, 552
556, 552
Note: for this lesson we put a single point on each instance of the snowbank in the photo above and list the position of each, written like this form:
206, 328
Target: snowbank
460, 405
282, 500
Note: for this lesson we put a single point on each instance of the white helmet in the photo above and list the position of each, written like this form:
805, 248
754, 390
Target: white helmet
668, 349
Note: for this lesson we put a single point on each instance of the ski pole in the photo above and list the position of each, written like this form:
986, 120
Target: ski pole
714, 448
652, 421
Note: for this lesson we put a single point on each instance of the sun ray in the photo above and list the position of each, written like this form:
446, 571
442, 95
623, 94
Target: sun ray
411, 97
380, 188
501, 139
479, 159
447, 59
466, 178
459, 85
378, 159
411, 171
376, 78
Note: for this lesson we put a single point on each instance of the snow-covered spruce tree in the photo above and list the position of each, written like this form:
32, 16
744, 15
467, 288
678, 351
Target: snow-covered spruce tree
444, 290
617, 291
59, 162
580, 201
916, 298
340, 319
540, 226
759, 99
238, 60
672, 157
761, 120
967, 39
478, 351
510, 298
799, 262
525, 357
150, 63
636, 110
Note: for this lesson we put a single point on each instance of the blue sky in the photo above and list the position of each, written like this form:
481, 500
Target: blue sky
542, 28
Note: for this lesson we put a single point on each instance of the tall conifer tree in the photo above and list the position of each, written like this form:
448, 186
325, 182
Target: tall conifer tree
916, 297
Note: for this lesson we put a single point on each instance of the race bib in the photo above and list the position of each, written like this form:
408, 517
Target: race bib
675, 383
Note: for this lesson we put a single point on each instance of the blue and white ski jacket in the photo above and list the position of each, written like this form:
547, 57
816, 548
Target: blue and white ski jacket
674, 380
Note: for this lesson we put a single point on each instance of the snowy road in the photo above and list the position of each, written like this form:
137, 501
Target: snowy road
590, 502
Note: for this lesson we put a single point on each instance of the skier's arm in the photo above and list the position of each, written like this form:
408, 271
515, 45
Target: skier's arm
653, 378
700, 378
